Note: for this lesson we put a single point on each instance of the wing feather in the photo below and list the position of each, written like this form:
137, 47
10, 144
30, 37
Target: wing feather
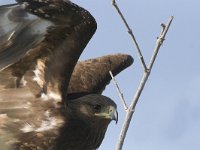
58, 46
19, 32
92, 76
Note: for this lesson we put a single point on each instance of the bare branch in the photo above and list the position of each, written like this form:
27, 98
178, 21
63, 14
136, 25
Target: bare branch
131, 34
141, 86
120, 94
159, 41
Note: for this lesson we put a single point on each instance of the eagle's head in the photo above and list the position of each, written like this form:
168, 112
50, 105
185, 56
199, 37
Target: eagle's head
95, 108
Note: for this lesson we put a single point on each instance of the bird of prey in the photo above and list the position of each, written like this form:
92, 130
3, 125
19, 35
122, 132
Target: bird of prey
48, 100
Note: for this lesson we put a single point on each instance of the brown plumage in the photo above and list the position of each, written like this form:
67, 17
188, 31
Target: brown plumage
46, 103
96, 71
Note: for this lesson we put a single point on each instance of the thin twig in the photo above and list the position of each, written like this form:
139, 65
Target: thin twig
159, 41
120, 94
141, 86
131, 34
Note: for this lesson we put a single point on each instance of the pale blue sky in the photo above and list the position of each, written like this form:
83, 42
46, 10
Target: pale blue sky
167, 116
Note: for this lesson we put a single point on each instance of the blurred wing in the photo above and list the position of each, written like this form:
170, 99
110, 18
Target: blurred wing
92, 76
23, 119
6, 80
19, 31
68, 30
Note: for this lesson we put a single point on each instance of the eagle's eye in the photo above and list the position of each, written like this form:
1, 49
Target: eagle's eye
97, 108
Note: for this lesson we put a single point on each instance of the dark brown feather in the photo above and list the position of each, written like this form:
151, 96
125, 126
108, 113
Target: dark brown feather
92, 76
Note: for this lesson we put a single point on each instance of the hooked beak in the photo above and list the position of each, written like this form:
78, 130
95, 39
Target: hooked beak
108, 113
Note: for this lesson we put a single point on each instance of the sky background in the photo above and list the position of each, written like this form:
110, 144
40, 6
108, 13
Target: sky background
167, 116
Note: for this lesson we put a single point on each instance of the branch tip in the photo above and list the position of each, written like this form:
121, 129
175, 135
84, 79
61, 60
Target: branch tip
114, 2
131, 34
163, 27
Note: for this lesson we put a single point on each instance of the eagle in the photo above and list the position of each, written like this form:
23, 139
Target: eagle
48, 99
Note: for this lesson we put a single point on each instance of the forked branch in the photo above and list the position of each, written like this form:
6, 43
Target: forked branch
147, 71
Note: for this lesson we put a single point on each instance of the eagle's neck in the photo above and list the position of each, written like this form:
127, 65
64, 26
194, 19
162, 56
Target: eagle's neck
96, 135
81, 135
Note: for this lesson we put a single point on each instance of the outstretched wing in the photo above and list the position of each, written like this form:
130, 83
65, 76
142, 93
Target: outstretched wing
92, 76
68, 30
